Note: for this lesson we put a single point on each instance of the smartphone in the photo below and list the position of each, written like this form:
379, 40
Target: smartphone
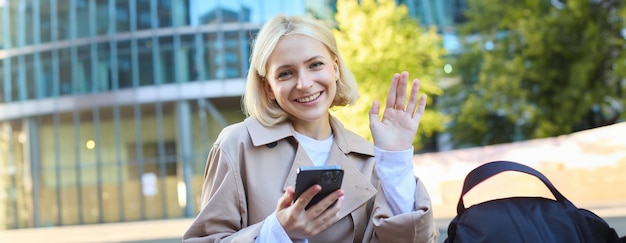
329, 177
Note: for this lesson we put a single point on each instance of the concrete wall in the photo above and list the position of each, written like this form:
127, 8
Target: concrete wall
588, 167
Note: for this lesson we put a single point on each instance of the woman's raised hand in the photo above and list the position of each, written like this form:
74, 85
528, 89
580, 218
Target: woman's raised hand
400, 120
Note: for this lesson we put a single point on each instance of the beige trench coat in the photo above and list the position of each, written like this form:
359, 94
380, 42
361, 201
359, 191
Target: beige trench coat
250, 166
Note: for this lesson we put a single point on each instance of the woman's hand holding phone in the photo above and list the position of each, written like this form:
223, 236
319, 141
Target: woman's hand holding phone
301, 223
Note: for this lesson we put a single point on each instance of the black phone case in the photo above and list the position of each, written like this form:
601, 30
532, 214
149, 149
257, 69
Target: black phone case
330, 178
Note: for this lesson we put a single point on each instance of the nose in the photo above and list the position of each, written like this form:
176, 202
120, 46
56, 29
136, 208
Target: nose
304, 81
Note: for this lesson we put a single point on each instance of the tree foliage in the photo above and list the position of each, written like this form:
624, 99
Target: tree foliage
378, 39
533, 69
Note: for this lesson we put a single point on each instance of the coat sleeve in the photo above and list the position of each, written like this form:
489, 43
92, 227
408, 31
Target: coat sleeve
417, 226
223, 215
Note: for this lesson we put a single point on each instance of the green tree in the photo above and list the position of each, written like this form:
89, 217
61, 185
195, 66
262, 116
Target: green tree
537, 68
378, 39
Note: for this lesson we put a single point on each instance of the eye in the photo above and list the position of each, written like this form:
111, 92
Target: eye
316, 64
283, 75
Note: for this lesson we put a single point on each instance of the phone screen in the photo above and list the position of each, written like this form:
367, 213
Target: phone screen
328, 177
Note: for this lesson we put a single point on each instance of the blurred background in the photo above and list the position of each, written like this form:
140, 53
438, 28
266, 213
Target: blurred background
108, 108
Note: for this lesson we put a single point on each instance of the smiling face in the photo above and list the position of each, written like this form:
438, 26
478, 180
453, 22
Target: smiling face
301, 76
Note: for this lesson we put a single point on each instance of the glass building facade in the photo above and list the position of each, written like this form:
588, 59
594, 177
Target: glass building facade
108, 108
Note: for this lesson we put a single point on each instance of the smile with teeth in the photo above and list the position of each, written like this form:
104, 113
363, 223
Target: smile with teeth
309, 98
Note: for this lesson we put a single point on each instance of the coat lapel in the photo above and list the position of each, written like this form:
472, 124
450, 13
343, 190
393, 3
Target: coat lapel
301, 159
357, 189
350, 150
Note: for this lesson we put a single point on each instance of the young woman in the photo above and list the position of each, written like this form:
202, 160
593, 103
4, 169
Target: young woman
296, 75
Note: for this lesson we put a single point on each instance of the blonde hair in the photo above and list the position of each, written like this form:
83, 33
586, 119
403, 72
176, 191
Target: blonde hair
256, 102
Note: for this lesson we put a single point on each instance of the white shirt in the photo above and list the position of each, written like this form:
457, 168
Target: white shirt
317, 150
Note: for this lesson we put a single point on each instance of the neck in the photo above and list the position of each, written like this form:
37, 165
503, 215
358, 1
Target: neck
318, 130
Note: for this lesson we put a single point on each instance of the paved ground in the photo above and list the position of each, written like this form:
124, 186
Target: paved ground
160, 231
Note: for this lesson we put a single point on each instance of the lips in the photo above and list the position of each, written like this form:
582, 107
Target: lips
309, 98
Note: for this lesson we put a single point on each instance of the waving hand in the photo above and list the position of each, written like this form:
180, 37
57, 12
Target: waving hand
400, 120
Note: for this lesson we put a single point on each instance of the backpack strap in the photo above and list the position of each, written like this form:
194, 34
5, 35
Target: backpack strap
483, 172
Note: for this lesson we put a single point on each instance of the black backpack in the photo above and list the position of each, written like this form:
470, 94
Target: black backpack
524, 219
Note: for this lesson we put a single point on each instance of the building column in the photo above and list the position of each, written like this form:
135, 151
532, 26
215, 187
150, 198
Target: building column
31, 149
185, 157
5, 139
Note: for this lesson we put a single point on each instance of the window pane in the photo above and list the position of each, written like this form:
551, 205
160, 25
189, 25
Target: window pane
22, 196
167, 66
168, 174
67, 163
82, 68
211, 51
180, 11
232, 55
63, 22
82, 18
112, 193
143, 14
164, 13
135, 164
102, 17
12, 149
146, 72
256, 11
13, 22
45, 24
113, 169
110, 154
2, 30
89, 193
124, 75
103, 71
190, 66
29, 67
122, 15
2, 80
132, 197
28, 30
15, 79
86, 145
65, 72
50, 177
69, 195
46, 74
